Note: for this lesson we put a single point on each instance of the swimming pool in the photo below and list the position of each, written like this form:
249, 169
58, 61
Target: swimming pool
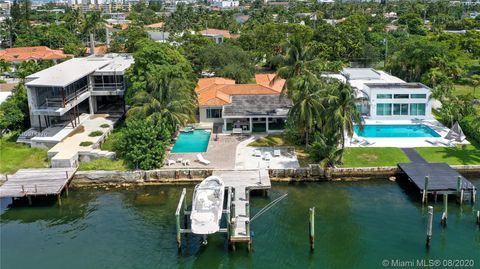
196, 141
406, 130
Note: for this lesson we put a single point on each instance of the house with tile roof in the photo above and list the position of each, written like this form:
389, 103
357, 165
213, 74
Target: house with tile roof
256, 107
38, 53
218, 35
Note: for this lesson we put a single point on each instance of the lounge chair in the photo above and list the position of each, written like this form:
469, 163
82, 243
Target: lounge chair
202, 160
366, 143
267, 156
186, 162
440, 141
276, 153
170, 162
257, 153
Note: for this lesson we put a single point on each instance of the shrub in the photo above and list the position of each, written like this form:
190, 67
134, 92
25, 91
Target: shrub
86, 143
143, 143
105, 125
2, 81
95, 133
471, 127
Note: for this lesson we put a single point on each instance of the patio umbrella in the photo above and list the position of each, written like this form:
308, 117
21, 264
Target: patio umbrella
456, 133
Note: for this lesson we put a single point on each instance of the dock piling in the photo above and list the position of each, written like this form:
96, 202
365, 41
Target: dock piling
425, 191
461, 196
429, 225
312, 228
459, 186
478, 217
445, 210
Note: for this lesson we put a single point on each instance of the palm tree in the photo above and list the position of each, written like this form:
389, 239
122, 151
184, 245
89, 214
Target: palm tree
342, 111
91, 23
307, 96
296, 61
170, 99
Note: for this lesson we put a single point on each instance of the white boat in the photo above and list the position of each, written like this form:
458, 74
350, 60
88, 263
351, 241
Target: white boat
207, 206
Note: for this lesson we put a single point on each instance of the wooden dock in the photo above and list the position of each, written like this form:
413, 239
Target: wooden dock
35, 182
242, 182
441, 179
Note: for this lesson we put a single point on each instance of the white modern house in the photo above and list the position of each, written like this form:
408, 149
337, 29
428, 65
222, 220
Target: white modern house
62, 96
385, 97
225, 4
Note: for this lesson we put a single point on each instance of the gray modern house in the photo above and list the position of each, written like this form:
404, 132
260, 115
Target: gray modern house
61, 96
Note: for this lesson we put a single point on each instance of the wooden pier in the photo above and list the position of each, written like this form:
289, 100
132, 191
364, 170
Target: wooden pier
238, 184
36, 182
438, 178
242, 182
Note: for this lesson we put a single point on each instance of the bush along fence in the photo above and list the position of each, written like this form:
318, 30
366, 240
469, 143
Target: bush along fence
471, 127
311, 173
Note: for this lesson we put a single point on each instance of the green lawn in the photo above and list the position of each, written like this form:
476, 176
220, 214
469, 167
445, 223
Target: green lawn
279, 140
372, 157
460, 155
15, 156
466, 89
103, 164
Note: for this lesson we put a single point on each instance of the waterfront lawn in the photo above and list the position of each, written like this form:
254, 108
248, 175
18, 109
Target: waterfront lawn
15, 156
459, 155
103, 164
280, 141
373, 157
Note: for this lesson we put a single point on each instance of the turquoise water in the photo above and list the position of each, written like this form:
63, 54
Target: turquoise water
358, 225
196, 141
410, 130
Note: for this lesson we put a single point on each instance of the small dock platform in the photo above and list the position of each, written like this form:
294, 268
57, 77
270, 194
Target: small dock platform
35, 182
242, 182
238, 184
437, 178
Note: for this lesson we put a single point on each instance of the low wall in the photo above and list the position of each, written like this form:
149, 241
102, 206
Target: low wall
310, 173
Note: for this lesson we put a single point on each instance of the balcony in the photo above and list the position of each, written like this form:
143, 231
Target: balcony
108, 89
57, 106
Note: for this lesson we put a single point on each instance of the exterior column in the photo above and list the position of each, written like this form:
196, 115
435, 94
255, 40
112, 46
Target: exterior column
90, 105
266, 124
251, 125
224, 125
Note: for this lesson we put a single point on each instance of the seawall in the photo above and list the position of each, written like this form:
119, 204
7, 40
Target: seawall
310, 173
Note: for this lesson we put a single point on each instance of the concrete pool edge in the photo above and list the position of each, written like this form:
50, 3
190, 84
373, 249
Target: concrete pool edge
187, 176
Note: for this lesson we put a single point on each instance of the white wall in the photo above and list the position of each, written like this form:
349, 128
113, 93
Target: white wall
203, 115
374, 101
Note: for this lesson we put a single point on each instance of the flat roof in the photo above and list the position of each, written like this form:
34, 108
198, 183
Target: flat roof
360, 73
63, 74
394, 86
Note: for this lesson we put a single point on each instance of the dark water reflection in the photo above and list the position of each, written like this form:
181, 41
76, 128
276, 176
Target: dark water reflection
358, 225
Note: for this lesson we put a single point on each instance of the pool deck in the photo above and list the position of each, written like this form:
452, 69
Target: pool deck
221, 153
404, 142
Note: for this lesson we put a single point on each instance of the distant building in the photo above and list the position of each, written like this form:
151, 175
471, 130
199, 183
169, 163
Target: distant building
218, 35
38, 53
225, 4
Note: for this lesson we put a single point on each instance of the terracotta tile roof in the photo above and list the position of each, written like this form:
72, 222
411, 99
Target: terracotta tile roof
217, 91
224, 33
100, 50
31, 53
266, 80
155, 25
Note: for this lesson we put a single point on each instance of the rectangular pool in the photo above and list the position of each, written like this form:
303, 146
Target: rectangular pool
406, 130
196, 141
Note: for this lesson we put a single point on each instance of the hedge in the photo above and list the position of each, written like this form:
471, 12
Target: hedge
471, 127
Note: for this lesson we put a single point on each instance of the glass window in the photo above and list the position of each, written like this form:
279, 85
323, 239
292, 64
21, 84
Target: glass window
384, 96
418, 96
400, 109
400, 96
417, 109
384, 109
214, 113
